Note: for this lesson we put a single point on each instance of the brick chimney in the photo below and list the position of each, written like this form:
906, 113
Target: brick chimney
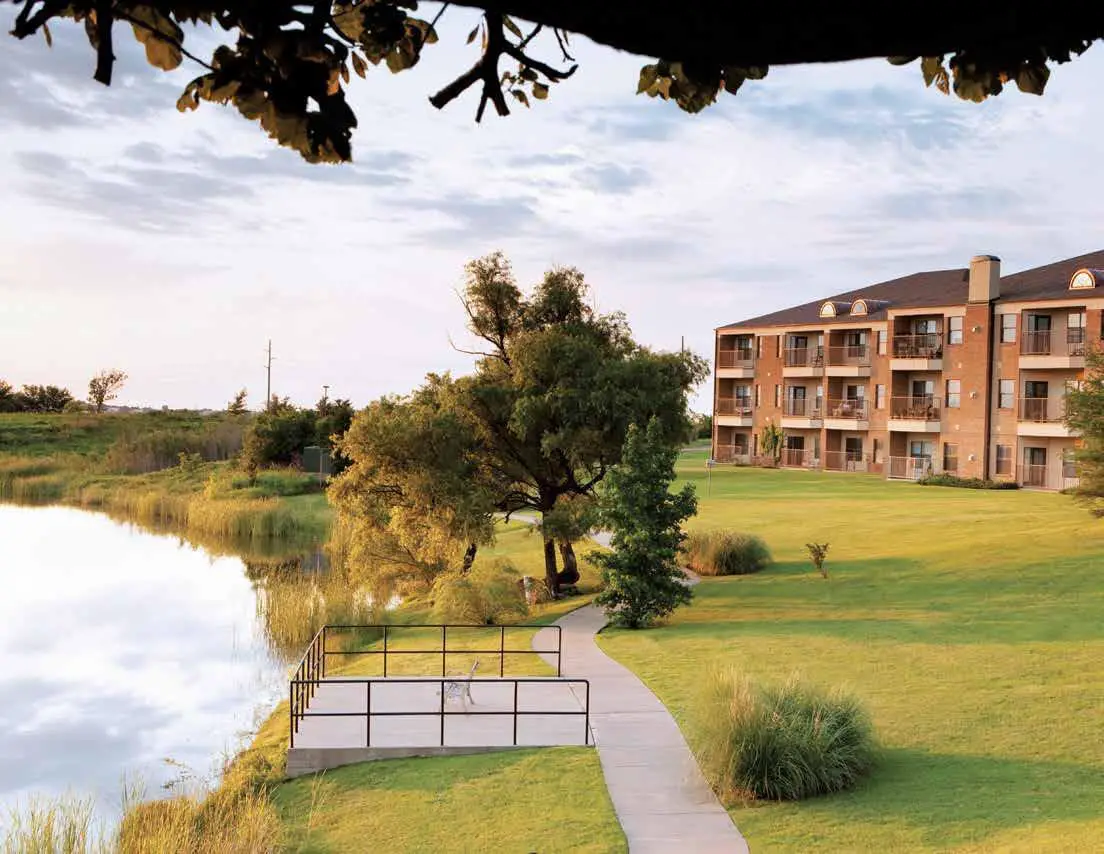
984, 278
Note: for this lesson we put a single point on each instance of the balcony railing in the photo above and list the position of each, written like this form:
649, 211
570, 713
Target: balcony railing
1042, 409
918, 408
803, 407
799, 457
911, 468
733, 454
1033, 476
846, 461
735, 359
804, 357
928, 345
1050, 342
734, 406
854, 355
854, 408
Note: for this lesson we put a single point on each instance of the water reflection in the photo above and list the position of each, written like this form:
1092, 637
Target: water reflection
119, 648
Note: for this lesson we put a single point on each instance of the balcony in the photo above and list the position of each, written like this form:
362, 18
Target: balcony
799, 458
1042, 416
734, 412
917, 352
738, 364
851, 360
915, 414
735, 454
801, 413
846, 461
911, 468
847, 414
803, 362
1043, 477
1050, 348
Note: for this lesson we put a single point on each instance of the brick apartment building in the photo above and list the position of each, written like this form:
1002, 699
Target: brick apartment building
961, 371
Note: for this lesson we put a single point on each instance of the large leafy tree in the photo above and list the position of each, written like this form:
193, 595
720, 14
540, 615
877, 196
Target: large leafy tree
1085, 414
104, 387
288, 61
535, 428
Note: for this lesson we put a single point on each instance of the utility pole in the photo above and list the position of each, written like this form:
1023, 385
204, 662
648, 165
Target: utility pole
268, 387
325, 394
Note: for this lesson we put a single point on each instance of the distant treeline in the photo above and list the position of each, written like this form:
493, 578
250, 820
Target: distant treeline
36, 398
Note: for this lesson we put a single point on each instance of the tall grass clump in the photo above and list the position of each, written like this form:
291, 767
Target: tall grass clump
486, 596
784, 742
143, 451
63, 825
725, 553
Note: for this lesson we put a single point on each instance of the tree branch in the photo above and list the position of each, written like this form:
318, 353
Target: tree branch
105, 55
160, 35
486, 69
547, 70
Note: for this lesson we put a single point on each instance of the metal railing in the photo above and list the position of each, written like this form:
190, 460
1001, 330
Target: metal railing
849, 355
854, 408
306, 678
923, 407
846, 461
911, 468
735, 359
803, 407
306, 687
1050, 342
928, 345
733, 454
799, 457
1041, 409
734, 406
803, 357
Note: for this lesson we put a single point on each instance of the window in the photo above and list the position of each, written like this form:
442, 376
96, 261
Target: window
1075, 333
852, 446
1008, 328
927, 326
778, 346
1004, 459
1069, 464
881, 342
950, 457
757, 401
954, 330
954, 393
759, 346
879, 396
777, 395
755, 444
1007, 398
920, 450
878, 450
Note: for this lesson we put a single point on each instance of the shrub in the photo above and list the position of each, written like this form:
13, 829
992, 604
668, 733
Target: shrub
784, 742
486, 596
966, 482
818, 553
725, 553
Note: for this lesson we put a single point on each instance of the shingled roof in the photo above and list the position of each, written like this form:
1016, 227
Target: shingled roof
935, 287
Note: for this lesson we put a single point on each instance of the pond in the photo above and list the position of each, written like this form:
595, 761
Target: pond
118, 649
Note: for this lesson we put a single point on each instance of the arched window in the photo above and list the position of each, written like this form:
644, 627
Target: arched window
828, 309
858, 307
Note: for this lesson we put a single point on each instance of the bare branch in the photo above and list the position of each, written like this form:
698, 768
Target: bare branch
105, 55
486, 69
561, 35
547, 70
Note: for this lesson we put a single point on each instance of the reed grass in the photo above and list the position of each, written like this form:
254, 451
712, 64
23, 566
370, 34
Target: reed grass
725, 553
61, 825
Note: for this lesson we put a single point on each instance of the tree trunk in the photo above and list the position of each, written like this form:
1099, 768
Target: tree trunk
570, 574
550, 568
469, 558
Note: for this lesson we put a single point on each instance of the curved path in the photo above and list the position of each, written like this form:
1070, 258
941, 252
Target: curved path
659, 794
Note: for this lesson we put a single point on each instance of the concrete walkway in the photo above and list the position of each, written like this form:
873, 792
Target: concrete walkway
659, 794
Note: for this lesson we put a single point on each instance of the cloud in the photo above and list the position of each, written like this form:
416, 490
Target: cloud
467, 219
613, 179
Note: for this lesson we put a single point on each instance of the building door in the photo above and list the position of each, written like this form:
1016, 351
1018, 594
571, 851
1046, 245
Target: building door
796, 401
922, 392
855, 342
853, 448
1038, 323
794, 452
920, 458
1035, 400
854, 392
1035, 466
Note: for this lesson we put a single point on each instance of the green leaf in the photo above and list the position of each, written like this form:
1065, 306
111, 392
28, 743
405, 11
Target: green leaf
540, 91
511, 26
648, 76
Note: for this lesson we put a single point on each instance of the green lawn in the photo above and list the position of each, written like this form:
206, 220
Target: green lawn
547, 800
971, 624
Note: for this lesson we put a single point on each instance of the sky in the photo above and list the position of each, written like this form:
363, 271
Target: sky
175, 246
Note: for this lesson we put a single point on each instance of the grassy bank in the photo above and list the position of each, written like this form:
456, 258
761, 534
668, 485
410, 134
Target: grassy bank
969, 623
129, 466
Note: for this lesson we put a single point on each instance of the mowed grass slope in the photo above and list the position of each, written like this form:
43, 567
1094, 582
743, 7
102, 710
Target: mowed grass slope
970, 623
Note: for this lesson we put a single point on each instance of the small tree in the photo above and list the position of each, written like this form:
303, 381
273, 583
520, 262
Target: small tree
1085, 414
104, 387
237, 406
643, 581
817, 553
773, 438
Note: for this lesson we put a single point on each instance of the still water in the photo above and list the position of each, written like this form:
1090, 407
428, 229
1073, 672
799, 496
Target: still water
120, 648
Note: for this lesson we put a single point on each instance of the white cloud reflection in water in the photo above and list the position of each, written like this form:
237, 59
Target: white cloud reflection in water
119, 648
